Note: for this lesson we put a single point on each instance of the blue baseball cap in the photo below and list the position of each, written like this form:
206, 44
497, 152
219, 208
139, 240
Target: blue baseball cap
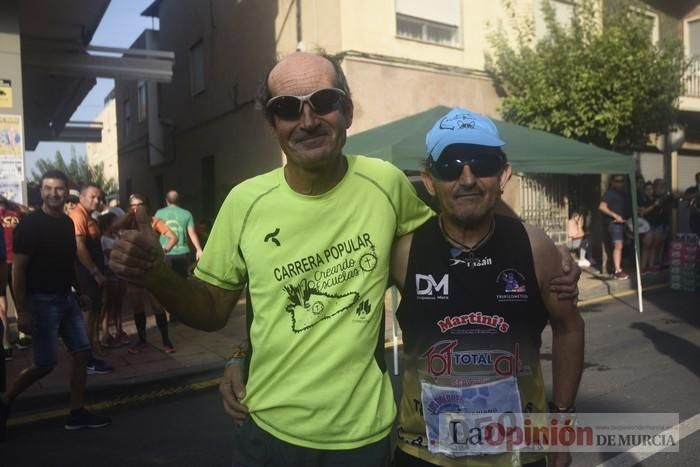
461, 126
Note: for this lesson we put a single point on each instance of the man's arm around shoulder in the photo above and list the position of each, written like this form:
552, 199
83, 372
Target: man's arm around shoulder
400, 251
567, 324
567, 331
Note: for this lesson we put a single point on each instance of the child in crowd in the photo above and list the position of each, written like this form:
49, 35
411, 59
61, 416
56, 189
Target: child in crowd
577, 237
113, 289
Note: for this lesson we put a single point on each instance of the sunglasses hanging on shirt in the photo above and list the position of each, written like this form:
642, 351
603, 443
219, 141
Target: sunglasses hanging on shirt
322, 102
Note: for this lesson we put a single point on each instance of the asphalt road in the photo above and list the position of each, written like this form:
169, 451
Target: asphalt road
635, 362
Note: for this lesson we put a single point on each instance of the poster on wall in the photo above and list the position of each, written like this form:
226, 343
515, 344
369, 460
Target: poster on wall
11, 168
5, 93
10, 136
11, 190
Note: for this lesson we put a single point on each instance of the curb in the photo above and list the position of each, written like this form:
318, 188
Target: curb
42, 407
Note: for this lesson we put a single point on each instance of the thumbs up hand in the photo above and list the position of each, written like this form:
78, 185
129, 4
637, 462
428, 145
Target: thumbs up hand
136, 251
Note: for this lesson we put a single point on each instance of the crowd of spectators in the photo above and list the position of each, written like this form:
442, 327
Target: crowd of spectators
89, 287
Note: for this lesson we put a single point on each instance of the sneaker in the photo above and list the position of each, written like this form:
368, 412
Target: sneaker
168, 347
109, 342
8, 354
98, 367
621, 275
584, 263
4, 415
81, 418
122, 339
24, 342
138, 347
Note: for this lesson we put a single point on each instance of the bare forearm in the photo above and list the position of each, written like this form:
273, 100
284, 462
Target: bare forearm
19, 286
170, 244
567, 365
194, 238
605, 209
189, 300
84, 257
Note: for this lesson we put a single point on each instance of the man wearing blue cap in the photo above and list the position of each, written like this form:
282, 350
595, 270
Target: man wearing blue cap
474, 303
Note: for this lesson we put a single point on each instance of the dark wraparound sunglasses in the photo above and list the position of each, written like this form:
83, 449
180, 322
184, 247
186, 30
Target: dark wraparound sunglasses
487, 162
322, 102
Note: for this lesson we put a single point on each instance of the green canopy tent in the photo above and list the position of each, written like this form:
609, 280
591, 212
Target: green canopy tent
402, 143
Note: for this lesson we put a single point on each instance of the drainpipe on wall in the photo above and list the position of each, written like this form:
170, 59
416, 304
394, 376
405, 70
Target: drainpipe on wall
300, 40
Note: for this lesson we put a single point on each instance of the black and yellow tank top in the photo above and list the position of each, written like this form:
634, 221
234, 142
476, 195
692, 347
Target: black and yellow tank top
469, 318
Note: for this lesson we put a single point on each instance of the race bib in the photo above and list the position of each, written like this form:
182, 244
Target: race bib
471, 421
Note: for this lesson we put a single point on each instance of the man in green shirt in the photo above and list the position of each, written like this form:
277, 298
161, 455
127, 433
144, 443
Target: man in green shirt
180, 221
312, 242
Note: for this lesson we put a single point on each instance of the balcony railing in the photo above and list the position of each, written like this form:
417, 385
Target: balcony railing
692, 78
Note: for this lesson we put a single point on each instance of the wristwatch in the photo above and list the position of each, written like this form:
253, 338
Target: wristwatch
554, 408
566, 416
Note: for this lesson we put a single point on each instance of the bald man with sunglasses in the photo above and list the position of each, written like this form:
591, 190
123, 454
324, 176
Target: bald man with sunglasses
311, 241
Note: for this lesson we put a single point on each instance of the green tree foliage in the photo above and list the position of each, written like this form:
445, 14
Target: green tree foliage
78, 171
608, 85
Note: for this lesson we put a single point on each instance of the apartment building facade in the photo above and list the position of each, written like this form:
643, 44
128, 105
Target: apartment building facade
214, 137
400, 56
106, 151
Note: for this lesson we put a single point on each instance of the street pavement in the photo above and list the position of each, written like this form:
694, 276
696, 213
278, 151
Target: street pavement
166, 406
199, 351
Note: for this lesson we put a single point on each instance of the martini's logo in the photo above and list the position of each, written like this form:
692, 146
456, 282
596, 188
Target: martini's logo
476, 319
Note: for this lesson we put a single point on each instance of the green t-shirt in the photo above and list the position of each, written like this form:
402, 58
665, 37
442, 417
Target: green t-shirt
177, 220
317, 268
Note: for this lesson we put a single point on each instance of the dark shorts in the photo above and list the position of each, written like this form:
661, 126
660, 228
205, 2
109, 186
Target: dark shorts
401, 459
616, 232
660, 230
179, 263
2, 361
695, 224
54, 315
88, 287
6, 280
254, 447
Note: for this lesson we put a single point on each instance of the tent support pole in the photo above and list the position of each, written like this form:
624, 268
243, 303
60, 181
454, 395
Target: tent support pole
394, 328
633, 192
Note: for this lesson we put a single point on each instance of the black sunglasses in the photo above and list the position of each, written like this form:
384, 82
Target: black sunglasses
487, 162
322, 102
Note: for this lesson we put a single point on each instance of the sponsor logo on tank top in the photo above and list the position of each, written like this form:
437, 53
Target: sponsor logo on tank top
467, 259
511, 284
474, 319
443, 359
428, 288
470, 262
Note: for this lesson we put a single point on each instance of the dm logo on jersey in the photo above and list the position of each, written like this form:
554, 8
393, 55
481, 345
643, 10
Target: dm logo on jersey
511, 286
427, 288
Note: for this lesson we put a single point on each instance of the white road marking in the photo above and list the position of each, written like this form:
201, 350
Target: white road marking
633, 457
